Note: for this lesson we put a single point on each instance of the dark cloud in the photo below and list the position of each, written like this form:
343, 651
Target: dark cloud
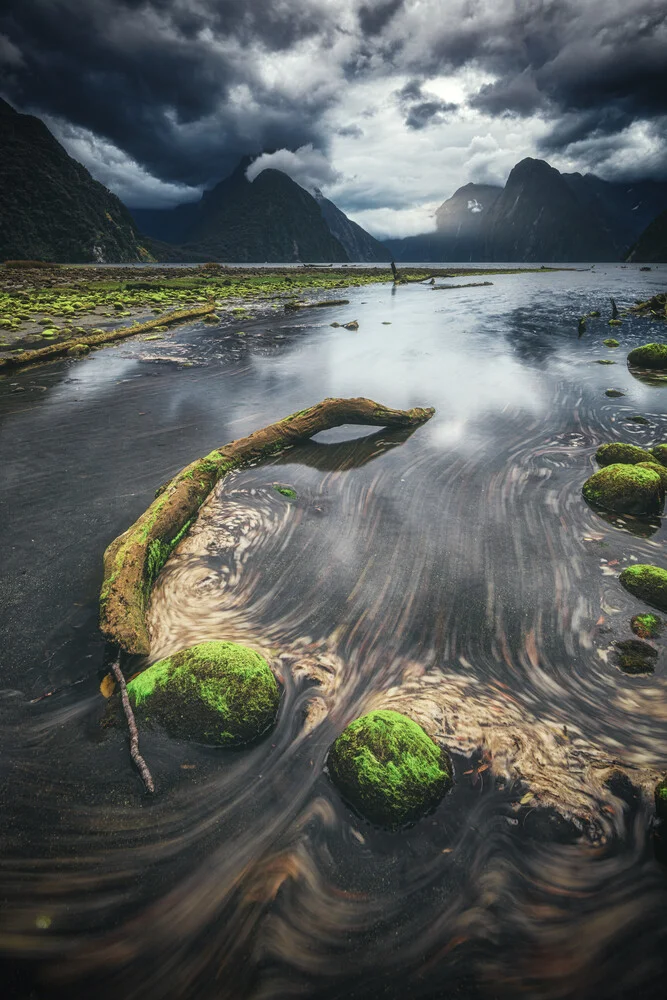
422, 109
373, 17
352, 131
178, 86
144, 73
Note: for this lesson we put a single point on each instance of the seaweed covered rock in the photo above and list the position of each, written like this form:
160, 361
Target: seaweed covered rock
636, 657
215, 692
649, 356
625, 489
648, 583
628, 454
389, 769
660, 453
647, 625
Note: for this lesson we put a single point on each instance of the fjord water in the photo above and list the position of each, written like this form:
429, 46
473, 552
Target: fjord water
454, 573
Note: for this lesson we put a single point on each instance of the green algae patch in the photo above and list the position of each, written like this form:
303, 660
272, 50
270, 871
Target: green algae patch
610, 342
647, 625
389, 769
628, 454
217, 693
648, 583
287, 491
649, 356
660, 453
625, 489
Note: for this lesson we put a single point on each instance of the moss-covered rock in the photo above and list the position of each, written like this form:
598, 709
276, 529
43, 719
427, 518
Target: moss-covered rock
610, 342
648, 583
215, 692
389, 769
660, 453
636, 657
289, 491
649, 356
626, 489
647, 625
614, 393
628, 454
660, 470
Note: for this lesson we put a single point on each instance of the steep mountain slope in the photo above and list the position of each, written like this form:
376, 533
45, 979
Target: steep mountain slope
269, 219
357, 243
651, 247
538, 217
50, 206
622, 210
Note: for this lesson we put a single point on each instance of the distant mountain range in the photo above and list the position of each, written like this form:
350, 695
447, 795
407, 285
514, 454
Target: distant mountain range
52, 209
540, 215
269, 219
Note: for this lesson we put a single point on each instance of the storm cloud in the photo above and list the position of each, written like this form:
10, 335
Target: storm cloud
160, 98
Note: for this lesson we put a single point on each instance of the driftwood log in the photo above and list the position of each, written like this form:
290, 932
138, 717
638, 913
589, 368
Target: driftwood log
134, 559
106, 337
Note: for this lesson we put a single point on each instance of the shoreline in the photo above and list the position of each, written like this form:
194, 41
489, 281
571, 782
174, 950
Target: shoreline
70, 302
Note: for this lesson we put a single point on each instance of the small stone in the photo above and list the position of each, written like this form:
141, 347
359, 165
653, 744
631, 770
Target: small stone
614, 393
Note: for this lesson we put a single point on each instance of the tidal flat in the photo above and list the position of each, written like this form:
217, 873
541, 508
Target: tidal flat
454, 574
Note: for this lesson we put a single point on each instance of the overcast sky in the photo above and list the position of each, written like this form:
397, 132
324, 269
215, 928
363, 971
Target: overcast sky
387, 105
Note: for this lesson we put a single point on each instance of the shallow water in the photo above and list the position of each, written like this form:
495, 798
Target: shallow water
454, 573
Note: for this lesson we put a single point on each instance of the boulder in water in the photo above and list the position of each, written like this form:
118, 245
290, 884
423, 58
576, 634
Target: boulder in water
647, 625
215, 692
389, 769
628, 454
649, 356
648, 583
625, 489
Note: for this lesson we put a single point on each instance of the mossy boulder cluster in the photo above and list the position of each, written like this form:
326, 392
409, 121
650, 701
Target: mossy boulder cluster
217, 693
649, 356
625, 489
632, 480
389, 769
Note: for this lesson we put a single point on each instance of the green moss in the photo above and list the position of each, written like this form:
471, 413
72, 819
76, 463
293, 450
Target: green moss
389, 770
648, 583
647, 625
660, 453
286, 491
215, 692
656, 467
649, 356
625, 489
610, 342
614, 322
628, 454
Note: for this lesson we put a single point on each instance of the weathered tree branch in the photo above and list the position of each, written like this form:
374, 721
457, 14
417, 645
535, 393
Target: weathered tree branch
134, 559
134, 734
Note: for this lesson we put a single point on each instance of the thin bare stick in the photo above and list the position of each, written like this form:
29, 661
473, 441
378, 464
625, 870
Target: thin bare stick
132, 726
